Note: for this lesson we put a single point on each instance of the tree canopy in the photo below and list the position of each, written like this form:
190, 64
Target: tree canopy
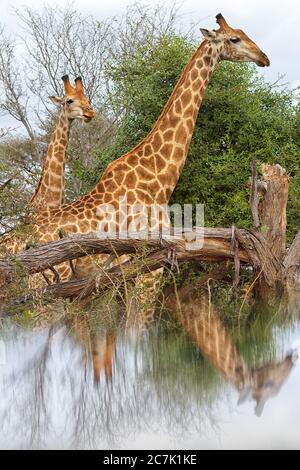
130, 75
242, 118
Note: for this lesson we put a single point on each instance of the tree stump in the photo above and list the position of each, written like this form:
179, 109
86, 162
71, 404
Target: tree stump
268, 204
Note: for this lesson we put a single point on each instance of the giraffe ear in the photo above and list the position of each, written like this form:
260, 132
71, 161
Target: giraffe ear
56, 100
208, 34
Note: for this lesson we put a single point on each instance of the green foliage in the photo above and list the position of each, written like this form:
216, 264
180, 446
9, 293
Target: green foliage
242, 118
142, 85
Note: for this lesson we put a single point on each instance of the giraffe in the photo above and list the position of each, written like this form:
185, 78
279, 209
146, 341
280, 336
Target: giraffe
98, 344
148, 173
73, 105
201, 322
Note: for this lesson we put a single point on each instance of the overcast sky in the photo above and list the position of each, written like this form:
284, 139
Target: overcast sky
272, 24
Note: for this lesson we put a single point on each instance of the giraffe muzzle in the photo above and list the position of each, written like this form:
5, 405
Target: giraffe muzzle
263, 60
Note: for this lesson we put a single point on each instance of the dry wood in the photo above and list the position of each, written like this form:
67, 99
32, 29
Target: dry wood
216, 247
263, 249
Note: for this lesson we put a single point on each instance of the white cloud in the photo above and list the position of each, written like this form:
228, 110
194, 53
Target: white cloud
271, 23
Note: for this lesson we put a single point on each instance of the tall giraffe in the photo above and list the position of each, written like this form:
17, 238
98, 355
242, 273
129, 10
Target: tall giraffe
202, 324
149, 173
51, 187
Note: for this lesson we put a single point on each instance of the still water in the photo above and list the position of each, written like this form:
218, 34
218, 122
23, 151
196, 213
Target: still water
192, 382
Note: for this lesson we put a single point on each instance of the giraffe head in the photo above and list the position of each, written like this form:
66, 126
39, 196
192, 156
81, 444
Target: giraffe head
75, 104
234, 44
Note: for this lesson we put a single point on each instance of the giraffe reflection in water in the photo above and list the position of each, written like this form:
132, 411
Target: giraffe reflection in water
201, 322
98, 345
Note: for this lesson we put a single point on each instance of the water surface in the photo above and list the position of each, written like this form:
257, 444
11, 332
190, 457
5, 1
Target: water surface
192, 382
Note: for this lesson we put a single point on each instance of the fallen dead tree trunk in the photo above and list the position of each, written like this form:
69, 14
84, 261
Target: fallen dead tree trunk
216, 247
263, 248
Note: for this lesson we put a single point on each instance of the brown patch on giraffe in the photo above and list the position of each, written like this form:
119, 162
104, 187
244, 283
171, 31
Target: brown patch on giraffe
143, 174
180, 134
100, 188
203, 73
207, 60
166, 150
178, 106
94, 225
186, 98
131, 197
161, 197
153, 187
190, 124
189, 111
173, 120
148, 162
178, 154
130, 180
53, 165
84, 225
168, 135
160, 163
123, 167
55, 180
132, 160
71, 228
169, 192
55, 212
119, 176
144, 185
144, 197
163, 178
197, 85
194, 74
187, 83
89, 213
110, 185
74, 211
147, 150
156, 142
108, 198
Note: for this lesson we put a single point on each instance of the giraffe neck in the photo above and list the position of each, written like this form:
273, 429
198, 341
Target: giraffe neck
202, 323
162, 153
51, 187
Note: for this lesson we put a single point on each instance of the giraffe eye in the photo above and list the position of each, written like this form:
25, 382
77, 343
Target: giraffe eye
70, 101
235, 40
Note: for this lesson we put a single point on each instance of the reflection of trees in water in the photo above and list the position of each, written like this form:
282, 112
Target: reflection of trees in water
60, 395
58, 403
